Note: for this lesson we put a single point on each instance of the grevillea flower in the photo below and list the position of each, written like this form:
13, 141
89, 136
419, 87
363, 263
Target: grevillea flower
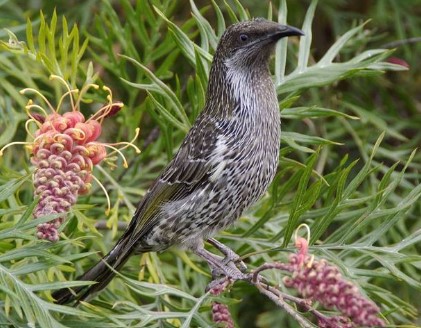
320, 281
221, 314
64, 151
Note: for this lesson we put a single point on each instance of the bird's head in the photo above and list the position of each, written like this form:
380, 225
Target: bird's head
248, 42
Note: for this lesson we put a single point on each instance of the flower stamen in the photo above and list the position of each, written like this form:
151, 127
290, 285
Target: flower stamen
128, 143
108, 210
69, 91
82, 93
14, 143
23, 91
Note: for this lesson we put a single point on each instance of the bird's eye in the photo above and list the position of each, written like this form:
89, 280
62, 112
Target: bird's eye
244, 37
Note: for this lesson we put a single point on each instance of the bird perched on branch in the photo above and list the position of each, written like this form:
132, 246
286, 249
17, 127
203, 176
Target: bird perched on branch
225, 163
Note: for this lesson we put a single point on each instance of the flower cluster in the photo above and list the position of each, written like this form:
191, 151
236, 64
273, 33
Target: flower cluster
64, 151
221, 315
322, 282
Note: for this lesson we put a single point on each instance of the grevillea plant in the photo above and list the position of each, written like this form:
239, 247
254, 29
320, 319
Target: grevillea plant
64, 150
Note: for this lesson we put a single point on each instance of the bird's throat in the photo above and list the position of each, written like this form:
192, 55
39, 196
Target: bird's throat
242, 91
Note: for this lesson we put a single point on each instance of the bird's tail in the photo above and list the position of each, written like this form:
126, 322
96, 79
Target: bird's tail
102, 272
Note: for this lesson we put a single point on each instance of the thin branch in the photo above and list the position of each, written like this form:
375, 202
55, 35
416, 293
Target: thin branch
279, 301
399, 43
102, 225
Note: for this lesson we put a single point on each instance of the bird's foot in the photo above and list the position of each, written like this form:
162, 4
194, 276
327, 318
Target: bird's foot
230, 255
220, 267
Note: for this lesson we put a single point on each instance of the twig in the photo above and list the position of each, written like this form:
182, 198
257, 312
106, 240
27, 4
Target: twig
279, 301
102, 225
398, 43
268, 266
304, 303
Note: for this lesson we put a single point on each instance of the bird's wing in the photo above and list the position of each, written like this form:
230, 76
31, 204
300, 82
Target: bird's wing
189, 169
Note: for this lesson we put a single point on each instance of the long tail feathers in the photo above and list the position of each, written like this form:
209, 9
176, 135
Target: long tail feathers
100, 272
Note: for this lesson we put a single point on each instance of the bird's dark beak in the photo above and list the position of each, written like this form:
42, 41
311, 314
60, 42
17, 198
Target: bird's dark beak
286, 30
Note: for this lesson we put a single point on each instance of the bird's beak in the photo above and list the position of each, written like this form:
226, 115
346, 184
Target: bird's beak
286, 30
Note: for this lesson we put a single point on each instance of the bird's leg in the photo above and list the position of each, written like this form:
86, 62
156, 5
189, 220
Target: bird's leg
218, 266
230, 255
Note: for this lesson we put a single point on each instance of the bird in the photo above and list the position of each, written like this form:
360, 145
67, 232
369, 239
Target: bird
223, 166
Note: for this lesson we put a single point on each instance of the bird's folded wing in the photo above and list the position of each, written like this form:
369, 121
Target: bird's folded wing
190, 168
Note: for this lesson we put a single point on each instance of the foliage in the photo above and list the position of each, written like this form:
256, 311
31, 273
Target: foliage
348, 165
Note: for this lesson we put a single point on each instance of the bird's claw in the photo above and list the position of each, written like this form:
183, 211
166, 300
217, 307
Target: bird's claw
230, 255
236, 260
223, 266
228, 270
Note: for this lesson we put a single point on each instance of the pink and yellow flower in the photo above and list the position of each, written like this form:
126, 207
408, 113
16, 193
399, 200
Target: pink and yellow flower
321, 281
64, 150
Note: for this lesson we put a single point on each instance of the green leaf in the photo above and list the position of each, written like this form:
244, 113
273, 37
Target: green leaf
333, 51
320, 226
160, 87
313, 112
303, 200
12, 186
281, 46
305, 41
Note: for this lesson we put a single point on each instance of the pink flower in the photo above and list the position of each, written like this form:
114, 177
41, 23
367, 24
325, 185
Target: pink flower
64, 152
320, 281
221, 315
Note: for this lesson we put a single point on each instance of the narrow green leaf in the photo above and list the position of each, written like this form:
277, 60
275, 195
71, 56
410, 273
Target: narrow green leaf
41, 34
220, 20
338, 45
320, 226
244, 15
184, 43
50, 34
299, 137
163, 90
281, 46
12, 186
313, 112
297, 206
30, 36
305, 41
231, 13
165, 113
205, 28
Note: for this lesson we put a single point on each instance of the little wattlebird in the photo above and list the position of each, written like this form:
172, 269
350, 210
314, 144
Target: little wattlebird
225, 163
